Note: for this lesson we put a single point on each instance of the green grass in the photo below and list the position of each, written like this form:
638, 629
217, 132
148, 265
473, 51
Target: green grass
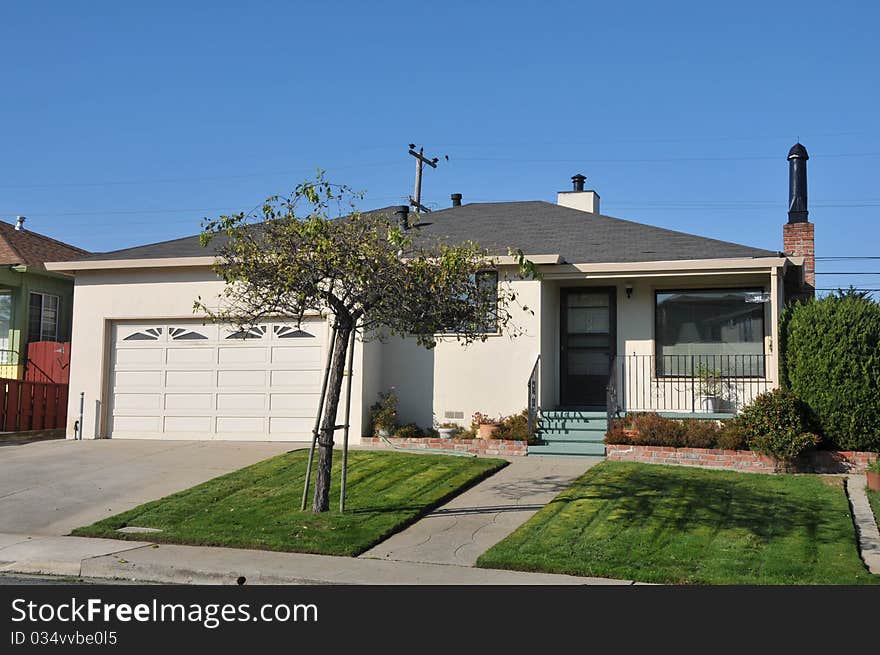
258, 506
687, 525
874, 499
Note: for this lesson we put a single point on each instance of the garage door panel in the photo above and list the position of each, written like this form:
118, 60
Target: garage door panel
294, 381
297, 403
197, 401
182, 380
136, 425
189, 379
236, 401
298, 358
254, 425
139, 356
242, 355
290, 426
241, 379
138, 401
130, 380
190, 356
193, 424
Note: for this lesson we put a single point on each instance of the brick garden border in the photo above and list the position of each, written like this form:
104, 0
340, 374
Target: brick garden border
820, 461
498, 447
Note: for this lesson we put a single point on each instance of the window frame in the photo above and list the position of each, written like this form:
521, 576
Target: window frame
495, 331
43, 297
749, 289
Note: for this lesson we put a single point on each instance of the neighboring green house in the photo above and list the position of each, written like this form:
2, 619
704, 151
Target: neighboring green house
35, 304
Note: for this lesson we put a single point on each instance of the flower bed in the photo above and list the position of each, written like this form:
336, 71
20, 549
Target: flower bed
819, 461
495, 447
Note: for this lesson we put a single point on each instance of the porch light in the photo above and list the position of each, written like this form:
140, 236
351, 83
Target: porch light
629, 291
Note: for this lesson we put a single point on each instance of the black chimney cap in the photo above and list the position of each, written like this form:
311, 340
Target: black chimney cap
578, 181
401, 212
456, 199
798, 152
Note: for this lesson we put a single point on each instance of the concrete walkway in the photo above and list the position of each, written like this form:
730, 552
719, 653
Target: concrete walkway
145, 562
863, 517
460, 531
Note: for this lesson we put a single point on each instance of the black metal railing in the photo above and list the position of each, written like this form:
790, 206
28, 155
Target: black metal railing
612, 402
701, 384
533, 403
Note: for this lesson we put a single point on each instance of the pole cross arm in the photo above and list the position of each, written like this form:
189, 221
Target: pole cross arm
430, 162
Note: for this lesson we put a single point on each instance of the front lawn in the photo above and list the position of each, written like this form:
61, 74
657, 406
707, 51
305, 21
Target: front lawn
687, 525
258, 506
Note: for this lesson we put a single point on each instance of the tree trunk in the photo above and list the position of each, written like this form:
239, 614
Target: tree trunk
328, 422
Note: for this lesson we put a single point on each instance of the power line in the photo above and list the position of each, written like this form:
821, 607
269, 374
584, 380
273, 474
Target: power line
846, 273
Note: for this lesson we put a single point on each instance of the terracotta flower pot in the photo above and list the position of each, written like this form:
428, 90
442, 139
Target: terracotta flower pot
486, 430
873, 480
630, 432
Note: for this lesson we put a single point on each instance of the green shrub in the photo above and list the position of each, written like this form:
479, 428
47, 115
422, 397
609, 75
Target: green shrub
655, 430
732, 437
874, 466
383, 413
778, 424
700, 433
831, 360
409, 431
514, 427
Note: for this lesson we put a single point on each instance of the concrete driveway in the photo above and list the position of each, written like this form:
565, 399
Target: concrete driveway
52, 487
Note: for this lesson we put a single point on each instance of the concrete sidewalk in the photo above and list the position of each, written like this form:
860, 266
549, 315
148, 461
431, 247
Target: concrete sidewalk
466, 527
146, 562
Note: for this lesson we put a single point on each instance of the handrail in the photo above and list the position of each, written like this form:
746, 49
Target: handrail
612, 406
533, 399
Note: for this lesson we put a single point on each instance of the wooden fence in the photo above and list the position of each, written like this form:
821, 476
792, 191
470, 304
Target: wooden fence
48, 361
32, 405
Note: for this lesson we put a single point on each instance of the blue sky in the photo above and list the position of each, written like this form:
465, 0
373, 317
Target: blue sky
123, 124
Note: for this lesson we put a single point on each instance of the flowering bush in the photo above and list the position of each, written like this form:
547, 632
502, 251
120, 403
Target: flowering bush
383, 412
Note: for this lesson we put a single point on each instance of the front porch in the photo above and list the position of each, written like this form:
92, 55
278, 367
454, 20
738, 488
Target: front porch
700, 347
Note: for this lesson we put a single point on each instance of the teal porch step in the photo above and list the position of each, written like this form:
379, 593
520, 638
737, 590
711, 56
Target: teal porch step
578, 432
578, 449
595, 435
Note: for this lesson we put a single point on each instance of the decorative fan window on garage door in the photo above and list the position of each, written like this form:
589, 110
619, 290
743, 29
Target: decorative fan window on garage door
290, 332
183, 334
149, 334
255, 332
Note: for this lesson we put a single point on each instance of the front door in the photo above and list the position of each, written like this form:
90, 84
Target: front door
587, 345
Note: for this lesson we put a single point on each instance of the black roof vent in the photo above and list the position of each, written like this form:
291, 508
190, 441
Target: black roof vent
578, 182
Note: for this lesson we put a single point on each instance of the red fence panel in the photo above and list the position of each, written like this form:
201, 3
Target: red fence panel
32, 405
48, 361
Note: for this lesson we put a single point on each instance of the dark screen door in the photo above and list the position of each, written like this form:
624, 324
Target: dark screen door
587, 345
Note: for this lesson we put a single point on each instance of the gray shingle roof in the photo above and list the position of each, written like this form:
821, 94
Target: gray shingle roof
536, 227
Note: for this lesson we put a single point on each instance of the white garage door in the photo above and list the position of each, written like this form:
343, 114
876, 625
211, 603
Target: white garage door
185, 380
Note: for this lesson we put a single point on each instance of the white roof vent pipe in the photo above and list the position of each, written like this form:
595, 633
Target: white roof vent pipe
19, 222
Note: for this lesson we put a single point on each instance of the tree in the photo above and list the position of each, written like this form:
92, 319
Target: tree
373, 276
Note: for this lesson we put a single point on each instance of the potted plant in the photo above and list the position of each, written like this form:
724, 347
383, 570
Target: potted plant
485, 425
873, 475
383, 413
710, 385
447, 430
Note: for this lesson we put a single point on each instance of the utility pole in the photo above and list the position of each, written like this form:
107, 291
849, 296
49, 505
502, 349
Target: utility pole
416, 199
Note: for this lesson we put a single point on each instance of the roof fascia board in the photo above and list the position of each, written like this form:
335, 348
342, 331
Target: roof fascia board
159, 262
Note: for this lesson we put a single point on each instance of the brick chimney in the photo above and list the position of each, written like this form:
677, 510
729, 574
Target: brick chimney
798, 236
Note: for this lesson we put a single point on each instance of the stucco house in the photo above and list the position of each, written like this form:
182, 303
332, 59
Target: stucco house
625, 314
36, 304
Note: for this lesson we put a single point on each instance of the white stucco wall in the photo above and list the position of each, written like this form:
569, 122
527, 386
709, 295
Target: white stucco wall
104, 296
488, 376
